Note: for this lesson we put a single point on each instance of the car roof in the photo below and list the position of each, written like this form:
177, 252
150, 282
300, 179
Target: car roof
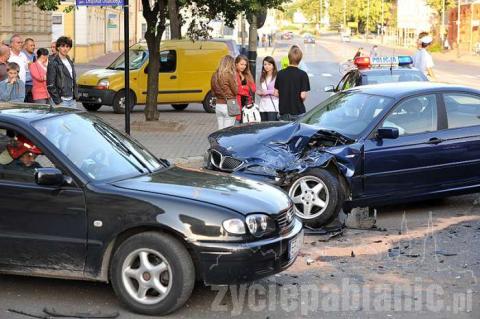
398, 90
183, 44
26, 112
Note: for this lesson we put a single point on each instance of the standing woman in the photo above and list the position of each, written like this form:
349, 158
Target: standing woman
268, 102
224, 87
38, 71
246, 84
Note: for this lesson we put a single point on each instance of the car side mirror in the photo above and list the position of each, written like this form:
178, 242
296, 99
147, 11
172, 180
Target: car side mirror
329, 88
49, 176
387, 132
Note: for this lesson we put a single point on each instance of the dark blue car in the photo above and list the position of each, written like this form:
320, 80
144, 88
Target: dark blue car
367, 146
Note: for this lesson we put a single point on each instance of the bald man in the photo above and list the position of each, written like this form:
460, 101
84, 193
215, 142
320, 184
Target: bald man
4, 56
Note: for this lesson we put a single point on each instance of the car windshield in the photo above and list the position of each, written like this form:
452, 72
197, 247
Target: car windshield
95, 148
137, 59
394, 76
348, 113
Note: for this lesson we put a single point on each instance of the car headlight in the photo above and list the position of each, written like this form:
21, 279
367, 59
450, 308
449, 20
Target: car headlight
260, 224
234, 226
103, 84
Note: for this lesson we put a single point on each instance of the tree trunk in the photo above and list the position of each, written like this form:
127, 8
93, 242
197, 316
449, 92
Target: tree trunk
174, 17
155, 27
252, 45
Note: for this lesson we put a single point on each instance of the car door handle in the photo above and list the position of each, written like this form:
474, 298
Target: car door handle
434, 140
173, 77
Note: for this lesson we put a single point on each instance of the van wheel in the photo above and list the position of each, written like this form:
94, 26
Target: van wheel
119, 102
152, 273
317, 197
209, 103
179, 107
91, 107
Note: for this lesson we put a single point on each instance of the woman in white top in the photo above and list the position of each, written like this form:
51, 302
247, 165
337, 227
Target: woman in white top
268, 103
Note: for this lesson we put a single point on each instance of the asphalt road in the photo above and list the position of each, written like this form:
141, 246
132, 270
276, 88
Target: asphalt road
425, 264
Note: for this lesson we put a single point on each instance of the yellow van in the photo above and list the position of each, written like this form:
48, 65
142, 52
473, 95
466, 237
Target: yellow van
186, 68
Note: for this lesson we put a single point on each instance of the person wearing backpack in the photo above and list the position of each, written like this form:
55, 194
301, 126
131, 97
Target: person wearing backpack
268, 102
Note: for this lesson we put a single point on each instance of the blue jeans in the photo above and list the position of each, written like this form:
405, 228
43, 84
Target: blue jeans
69, 103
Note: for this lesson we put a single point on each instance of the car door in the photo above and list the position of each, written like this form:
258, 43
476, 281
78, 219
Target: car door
40, 226
461, 140
408, 164
168, 77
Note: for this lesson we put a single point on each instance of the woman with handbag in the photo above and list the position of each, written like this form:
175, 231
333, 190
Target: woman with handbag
38, 70
269, 102
224, 88
246, 85
12, 89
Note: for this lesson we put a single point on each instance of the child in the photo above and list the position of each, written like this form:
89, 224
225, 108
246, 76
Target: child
12, 89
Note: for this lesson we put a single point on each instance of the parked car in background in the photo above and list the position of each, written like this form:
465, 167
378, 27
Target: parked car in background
94, 204
368, 146
308, 38
186, 68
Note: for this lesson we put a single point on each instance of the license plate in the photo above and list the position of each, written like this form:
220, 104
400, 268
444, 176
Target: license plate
295, 245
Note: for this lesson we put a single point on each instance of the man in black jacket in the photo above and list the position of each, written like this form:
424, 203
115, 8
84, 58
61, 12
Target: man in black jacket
61, 77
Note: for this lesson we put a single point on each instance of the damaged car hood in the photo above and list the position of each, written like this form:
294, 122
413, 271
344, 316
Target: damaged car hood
285, 147
236, 193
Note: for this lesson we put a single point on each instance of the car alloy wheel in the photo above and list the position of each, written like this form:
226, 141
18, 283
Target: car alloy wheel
310, 196
146, 276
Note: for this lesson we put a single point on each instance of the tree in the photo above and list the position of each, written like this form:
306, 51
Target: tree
438, 6
174, 7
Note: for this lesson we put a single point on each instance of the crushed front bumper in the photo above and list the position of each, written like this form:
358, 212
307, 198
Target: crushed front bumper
232, 263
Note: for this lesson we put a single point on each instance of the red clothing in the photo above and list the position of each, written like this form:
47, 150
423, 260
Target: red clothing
39, 81
243, 90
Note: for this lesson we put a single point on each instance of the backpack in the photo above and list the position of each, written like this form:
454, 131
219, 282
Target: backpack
251, 114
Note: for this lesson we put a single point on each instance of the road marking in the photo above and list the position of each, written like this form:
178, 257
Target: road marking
326, 75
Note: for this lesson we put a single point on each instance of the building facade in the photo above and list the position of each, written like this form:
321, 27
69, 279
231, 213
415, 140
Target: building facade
95, 31
469, 32
26, 20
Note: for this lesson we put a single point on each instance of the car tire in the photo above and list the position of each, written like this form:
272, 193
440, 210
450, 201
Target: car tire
179, 107
319, 190
92, 107
208, 103
118, 101
158, 261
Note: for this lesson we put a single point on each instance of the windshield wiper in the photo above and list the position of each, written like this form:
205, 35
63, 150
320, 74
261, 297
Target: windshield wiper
122, 147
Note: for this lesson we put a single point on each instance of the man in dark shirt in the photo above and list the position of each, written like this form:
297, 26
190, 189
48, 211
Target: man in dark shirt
291, 87
4, 56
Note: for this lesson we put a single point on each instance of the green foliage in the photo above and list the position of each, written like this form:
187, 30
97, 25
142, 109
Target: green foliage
45, 5
437, 5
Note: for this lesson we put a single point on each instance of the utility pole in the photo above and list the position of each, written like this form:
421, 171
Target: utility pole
126, 38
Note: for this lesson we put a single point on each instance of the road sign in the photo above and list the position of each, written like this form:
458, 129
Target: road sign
104, 3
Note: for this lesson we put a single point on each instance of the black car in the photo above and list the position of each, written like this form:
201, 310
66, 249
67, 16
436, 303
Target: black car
364, 74
81, 200
368, 146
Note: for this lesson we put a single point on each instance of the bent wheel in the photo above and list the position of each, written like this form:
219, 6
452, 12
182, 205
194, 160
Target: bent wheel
152, 273
317, 197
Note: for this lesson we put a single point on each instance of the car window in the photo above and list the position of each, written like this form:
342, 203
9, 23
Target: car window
463, 110
342, 82
349, 113
19, 157
414, 115
137, 59
350, 81
168, 61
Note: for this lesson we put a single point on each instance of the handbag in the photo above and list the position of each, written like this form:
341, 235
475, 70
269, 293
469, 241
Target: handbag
251, 112
232, 107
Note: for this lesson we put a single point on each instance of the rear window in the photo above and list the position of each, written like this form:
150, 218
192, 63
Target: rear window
394, 76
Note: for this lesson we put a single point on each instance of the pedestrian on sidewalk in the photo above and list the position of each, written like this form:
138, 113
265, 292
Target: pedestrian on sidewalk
38, 70
17, 56
374, 52
4, 56
246, 84
61, 77
291, 87
224, 87
264, 40
53, 48
12, 89
422, 60
268, 102
270, 39
29, 50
